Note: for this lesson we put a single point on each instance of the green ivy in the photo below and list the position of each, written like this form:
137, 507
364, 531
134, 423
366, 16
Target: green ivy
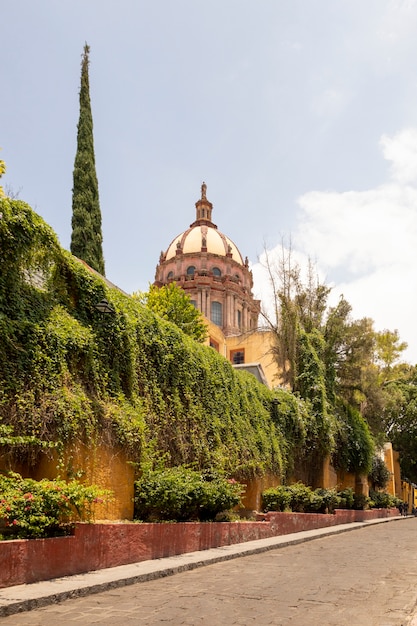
355, 446
69, 373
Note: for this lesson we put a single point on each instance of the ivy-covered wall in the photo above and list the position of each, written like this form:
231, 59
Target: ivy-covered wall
69, 373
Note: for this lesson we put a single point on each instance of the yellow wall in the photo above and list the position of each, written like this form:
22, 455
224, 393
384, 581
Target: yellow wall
257, 346
251, 499
99, 465
216, 333
391, 462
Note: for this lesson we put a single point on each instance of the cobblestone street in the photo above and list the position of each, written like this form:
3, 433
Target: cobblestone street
367, 577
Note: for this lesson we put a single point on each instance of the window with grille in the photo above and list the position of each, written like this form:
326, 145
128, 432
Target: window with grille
237, 356
216, 313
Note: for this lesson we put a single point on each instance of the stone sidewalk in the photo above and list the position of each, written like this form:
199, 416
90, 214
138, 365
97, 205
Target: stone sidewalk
367, 577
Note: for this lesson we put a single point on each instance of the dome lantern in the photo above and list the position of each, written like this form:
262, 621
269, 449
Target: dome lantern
203, 209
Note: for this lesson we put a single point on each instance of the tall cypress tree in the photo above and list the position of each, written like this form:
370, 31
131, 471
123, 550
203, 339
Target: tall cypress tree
86, 238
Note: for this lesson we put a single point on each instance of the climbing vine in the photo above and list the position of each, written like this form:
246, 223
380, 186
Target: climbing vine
69, 373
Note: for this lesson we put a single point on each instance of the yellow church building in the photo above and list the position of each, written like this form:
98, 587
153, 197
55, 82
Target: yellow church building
208, 265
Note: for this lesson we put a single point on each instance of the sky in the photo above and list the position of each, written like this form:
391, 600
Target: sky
300, 115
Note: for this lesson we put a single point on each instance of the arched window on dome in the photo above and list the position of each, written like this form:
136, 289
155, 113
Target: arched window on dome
190, 270
170, 275
216, 271
217, 313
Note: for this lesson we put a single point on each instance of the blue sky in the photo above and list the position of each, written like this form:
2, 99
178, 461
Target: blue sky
300, 115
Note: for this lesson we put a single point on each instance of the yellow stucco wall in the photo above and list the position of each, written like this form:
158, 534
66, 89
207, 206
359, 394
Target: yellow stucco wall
108, 468
257, 346
391, 462
254, 488
216, 333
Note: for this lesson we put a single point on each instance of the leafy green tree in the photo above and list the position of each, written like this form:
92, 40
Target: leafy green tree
389, 348
2, 171
400, 420
334, 361
86, 239
172, 303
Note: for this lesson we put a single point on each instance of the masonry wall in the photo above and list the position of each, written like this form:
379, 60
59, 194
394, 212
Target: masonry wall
97, 546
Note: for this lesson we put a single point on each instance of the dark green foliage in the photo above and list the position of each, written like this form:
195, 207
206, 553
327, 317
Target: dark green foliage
354, 443
311, 384
379, 474
361, 502
181, 494
382, 500
401, 419
86, 239
69, 373
300, 498
347, 498
276, 499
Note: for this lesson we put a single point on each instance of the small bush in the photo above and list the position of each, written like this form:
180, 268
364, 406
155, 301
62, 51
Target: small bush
45, 508
276, 499
181, 494
346, 499
299, 498
382, 500
361, 502
330, 500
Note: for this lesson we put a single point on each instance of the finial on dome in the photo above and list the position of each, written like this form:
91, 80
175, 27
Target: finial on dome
203, 191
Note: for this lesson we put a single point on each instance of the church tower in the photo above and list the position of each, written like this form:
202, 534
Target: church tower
209, 267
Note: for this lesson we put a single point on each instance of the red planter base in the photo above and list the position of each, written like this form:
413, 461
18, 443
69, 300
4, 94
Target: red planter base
97, 546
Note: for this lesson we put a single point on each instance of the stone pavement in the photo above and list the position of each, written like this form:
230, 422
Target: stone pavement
362, 578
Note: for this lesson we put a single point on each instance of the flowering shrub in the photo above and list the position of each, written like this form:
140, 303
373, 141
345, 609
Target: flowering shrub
181, 494
45, 508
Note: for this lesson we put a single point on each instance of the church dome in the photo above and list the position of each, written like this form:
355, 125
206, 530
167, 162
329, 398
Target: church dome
203, 235
210, 268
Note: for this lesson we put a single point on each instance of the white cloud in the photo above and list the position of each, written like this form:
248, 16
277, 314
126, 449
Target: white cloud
401, 150
365, 243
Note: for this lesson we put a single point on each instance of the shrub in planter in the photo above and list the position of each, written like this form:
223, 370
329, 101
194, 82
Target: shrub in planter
382, 500
46, 508
182, 494
301, 496
218, 495
276, 499
361, 502
346, 499
330, 500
